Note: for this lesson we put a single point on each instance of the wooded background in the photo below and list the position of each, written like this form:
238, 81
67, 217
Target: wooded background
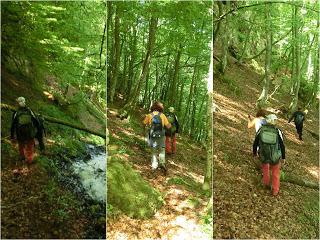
161, 51
279, 39
60, 41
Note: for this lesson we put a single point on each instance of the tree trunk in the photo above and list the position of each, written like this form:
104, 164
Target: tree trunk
207, 183
133, 47
261, 102
181, 96
58, 121
145, 69
191, 92
116, 62
225, 40
102, 43
109, 43
216, 30
297, 71
173, 95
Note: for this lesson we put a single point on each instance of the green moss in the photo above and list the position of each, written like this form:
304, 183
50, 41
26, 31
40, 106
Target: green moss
129, 192
61, 200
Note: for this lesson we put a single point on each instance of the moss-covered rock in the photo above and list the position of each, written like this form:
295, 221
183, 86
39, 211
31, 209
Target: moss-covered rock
129, 192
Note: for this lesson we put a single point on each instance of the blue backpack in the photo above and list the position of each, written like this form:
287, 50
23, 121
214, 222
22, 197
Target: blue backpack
156, 130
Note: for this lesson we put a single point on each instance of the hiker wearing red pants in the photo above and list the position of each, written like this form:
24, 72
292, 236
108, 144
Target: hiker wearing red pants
171, 140
24, 126
269, 139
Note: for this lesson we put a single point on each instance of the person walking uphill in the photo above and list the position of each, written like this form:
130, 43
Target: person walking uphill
171, 133
298, 117
269, 139
258, 121
24, 126
156, 121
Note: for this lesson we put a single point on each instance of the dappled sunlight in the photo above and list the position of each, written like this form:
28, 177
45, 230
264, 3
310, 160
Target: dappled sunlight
48, 95
197, 177
253, 91
187, 229
314, 171
231, 110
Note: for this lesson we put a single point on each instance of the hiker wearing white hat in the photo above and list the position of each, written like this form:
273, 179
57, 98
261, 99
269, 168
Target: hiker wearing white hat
269, 141
24, 128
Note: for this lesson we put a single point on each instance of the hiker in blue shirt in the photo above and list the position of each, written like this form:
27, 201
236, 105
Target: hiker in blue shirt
298, 117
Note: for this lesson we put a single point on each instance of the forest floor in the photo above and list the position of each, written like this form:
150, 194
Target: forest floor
183, 216
34, 205
243, 208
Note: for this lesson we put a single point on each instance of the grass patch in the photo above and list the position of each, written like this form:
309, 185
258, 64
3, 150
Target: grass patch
62, 201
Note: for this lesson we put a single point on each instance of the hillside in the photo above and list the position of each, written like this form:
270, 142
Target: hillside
183, 214
38, 200
242, 207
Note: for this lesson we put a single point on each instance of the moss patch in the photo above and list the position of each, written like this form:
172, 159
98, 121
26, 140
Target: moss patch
129, 192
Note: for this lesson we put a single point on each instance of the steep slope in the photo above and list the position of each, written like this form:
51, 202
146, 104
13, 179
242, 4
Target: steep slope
242, 207
184, 211
34, 203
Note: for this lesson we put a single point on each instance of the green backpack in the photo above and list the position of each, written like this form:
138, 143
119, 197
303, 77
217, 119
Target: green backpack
171, 119
299, 118
25, 127
269, 148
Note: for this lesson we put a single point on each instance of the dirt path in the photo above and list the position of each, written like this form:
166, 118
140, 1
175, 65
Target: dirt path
180, 217
242, 207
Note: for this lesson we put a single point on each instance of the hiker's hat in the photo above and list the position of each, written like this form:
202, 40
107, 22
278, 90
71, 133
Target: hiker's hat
21, 101
171, 109
271, 118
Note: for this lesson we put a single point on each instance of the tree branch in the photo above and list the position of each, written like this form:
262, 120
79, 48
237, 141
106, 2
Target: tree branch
263, 50
102, 42
58, 121
258, 4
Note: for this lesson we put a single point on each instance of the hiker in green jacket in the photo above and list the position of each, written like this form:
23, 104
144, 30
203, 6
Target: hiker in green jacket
269, 139
24, 128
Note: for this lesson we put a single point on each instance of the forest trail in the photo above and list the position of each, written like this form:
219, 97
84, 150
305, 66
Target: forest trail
185, 202
242, 207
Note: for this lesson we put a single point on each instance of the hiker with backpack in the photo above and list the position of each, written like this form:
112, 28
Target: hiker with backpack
24, 128
171, 132
269, 139
156, 122
298, 117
